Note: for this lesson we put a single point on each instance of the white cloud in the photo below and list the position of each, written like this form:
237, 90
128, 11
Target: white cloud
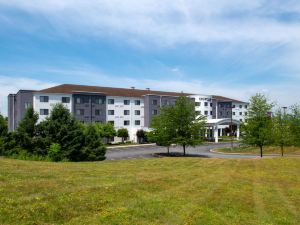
167, 22
14, 84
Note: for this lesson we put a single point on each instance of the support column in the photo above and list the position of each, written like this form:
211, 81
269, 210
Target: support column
238, 132
221, 132
216, 135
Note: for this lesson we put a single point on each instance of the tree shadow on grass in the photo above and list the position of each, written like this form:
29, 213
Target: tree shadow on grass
179, 154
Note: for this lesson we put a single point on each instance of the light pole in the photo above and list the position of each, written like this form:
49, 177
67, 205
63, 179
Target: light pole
231, 128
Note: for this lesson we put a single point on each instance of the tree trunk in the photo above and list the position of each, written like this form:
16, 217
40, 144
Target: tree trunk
184, 149
281, 150
261, 151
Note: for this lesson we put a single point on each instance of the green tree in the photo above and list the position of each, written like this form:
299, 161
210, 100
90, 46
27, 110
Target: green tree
26, 130
295, 124
94, 150
258, 129
3, 126
179, 124
162, 127
281, 130
141, 136
123, 133
62, 128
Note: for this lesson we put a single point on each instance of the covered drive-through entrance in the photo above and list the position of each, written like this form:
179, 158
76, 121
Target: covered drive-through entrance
216, 128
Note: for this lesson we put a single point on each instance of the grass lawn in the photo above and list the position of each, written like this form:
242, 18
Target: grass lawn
151, 191
266, 150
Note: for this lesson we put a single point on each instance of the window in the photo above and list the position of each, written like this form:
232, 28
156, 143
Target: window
126, 112
44, 98
65, 99
110, 101
241, 106
205, 103
197, 103
111, 122
44, 112
126, 122
241, 120
211, 104
99, 101
137, 112
27, 105
233, 113
206, 112
220, 113
165, 102
241, 113
137, 102
211, 112
137, 122
246, 113
154, 112
154, 102
111, 112
227, 113
79, 112
126, 102
78, 100
246, 106
233, 106
97, 112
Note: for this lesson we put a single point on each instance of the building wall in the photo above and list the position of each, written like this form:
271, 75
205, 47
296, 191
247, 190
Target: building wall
17, 106
118, 118
53, 100
240, 111
204, 105
89, 104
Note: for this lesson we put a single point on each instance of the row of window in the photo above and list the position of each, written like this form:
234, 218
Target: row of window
205, 112
127, 122
205, 104
46, 99
240, 113
125, 112
240, 106
126, 102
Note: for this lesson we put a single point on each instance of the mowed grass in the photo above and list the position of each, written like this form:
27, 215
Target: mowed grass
291, 150
151, 191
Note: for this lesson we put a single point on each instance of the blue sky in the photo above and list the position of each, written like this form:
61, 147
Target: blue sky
227, 47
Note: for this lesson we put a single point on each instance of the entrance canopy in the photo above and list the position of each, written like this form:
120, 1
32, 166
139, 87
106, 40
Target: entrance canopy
213, 127
224, 121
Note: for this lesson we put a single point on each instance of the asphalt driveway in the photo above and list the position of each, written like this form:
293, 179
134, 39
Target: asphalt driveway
150, 151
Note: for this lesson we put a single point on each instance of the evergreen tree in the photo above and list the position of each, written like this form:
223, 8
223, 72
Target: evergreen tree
3, 126
94, 149
295, 124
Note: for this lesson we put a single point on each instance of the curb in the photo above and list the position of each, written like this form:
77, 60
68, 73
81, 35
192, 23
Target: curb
129, 146
250, 154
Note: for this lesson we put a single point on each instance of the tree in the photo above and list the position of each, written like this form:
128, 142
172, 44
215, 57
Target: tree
123, 133
281, 130
93, 150
107, 131
3, 126
295, 124
179, 124
26, 130
162, 127
141, 135
257, 130
62, 128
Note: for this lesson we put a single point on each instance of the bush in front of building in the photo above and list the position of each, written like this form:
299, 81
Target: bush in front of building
58, 137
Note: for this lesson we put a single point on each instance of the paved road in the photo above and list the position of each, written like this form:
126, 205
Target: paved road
140, 152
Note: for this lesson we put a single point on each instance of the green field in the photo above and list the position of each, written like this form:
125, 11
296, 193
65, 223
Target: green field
256, 150
151, 191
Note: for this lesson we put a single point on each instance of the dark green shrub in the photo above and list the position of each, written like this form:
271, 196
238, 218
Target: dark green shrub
54, 152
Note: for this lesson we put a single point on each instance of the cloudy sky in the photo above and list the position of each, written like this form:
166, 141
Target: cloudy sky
227, 47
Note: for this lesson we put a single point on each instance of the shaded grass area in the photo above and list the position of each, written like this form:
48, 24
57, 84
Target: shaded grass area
255, 150
151, 191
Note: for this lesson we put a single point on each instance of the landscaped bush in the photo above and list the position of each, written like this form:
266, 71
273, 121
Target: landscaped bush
59, 137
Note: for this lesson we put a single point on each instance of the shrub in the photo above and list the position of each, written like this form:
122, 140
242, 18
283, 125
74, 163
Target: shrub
55, 153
